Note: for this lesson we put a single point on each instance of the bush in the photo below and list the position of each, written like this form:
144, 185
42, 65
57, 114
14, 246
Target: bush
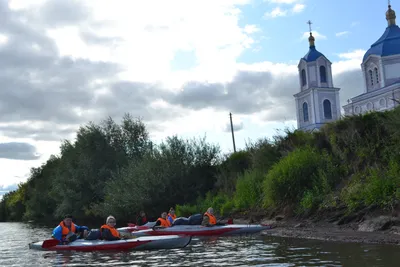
234, 165
248, 189
374, 187
304, 175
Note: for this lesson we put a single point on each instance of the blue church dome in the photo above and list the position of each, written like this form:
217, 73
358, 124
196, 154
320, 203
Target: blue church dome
389, 43
312, 55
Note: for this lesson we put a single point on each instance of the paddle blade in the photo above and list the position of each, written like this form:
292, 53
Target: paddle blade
50, 243
131, 224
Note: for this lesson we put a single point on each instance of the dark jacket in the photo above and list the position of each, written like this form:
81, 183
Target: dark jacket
141, 220
106, 235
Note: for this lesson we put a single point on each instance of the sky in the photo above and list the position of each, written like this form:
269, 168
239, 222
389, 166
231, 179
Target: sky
180, 65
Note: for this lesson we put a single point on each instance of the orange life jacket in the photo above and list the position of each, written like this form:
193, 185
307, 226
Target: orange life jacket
66, 230
113, 231
164, 222
172, 216
211, 218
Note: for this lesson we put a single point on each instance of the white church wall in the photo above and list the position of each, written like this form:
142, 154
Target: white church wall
372, 81
381, 102
392, 72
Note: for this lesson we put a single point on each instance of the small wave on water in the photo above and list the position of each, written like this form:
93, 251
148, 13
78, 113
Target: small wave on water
224, 251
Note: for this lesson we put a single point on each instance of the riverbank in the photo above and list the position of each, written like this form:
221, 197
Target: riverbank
365, 226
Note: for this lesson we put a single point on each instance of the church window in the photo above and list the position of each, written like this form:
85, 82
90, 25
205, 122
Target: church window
376, 75
322, 74
369, 106
305, 112
371, 77
303, 77
327, 109
382, 102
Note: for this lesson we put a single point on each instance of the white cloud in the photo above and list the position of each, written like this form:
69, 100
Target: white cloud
349, 61
152, 36
297, 8
145, 41
355, 54
282, 12
276, 12
251, 29
338, 34
283, 1
316, 35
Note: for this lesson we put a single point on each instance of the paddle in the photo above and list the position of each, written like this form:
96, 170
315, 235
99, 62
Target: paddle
50, 243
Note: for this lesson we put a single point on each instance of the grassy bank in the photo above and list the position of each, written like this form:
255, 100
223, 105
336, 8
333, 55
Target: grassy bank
348, 165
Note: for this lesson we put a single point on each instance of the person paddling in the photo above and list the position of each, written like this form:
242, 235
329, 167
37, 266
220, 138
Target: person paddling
171, 215
108, 231
66, 231
162, 221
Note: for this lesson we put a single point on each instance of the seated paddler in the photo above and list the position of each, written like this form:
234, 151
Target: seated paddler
108, 231
67, 231
209, 218
162, 221
141, 219
171, 215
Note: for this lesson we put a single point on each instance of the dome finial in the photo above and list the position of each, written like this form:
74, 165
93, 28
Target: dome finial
311, 39
390, 15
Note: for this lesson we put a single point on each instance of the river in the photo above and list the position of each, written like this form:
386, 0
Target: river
224, 251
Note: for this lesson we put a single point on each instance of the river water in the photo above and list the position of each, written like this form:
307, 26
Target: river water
223, 251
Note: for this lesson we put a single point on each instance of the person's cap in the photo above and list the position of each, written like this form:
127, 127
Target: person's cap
109, 218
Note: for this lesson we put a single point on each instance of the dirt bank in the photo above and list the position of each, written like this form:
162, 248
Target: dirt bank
365, 226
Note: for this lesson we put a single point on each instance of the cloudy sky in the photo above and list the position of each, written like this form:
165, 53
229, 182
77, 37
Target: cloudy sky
181, 65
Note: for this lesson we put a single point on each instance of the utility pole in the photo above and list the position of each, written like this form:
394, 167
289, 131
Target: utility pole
233, 135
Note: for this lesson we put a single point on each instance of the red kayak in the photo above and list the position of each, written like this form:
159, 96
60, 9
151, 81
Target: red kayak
140, 243
198, 230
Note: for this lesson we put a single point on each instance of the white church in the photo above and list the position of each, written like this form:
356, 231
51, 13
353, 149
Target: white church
318, 101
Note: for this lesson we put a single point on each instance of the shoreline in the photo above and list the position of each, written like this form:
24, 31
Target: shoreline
376, 228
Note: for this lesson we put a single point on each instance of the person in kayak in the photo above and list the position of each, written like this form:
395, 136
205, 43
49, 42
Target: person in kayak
162, 222
108, 231
141, 219
171, 215
209, 218
66, 231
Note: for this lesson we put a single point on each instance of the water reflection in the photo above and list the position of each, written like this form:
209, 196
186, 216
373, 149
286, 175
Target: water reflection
226, 251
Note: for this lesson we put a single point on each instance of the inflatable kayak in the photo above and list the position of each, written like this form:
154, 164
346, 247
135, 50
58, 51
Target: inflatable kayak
199, 230
140, 243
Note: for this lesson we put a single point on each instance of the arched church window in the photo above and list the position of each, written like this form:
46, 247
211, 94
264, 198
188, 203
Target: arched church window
327, 109
322, 74
376, 75
305, 112
382, 102
303, 77
371, 77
